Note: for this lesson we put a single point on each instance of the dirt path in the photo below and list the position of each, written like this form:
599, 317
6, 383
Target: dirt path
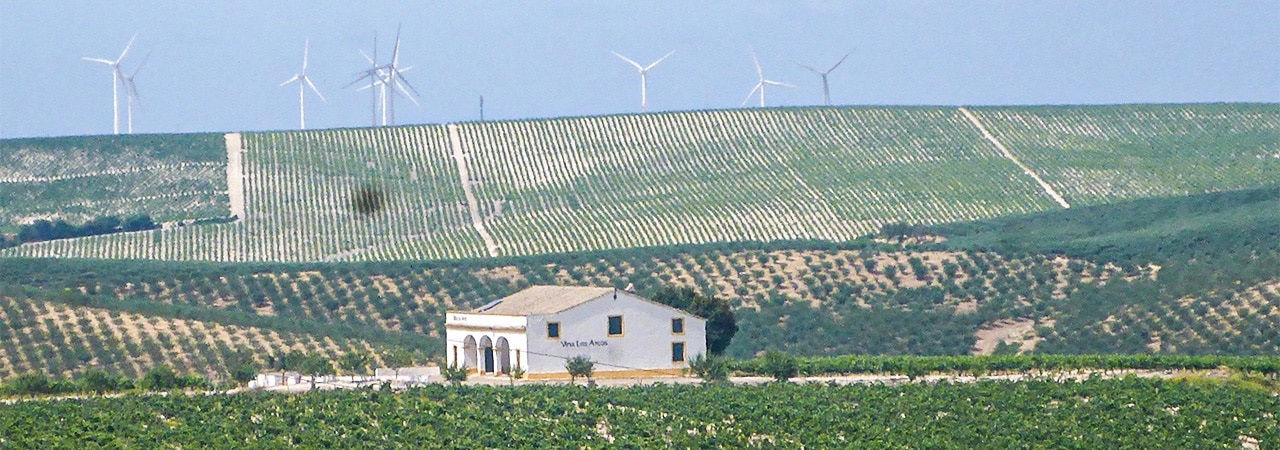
464, 176
347, 382
1007, 154
235, 174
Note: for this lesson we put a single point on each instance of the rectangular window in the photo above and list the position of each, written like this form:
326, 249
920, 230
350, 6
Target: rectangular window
677, 326
677, 352
553, 330
615, 325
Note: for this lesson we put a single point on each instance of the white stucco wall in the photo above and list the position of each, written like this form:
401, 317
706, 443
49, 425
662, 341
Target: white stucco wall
645, 343
460, 326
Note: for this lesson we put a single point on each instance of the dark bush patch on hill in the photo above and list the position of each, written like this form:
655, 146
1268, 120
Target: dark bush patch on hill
45, 230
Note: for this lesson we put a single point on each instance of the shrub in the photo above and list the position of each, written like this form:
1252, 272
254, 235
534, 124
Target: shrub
579, 366
454, 374
30, 384
710, 368
780, 366
354, 362
97, 381
160, 378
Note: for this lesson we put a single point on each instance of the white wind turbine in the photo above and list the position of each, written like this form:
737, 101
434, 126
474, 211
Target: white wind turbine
388, 79
762, 83
375, 77
131, 90
116, 76
644, 83
303, 83
826, 91
394, 84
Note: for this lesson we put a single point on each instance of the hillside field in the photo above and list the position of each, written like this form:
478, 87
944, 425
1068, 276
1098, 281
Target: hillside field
592, 183
170, 177
1079, 281
780, 211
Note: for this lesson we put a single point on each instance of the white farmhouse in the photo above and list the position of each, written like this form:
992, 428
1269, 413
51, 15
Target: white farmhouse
539, 328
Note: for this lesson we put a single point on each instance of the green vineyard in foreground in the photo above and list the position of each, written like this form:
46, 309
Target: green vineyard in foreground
1122, 414
590, 183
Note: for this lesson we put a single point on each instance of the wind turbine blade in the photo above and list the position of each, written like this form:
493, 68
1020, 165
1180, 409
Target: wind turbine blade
290, 80
313, 88
143, 63
655, 63
406, 83
98, 60
752, 94
306, 47
629, 61
838, 63
755, 60
367, 86
130, 88
126, 49
395, 51
405, 94
778, 83
368, 74
357, 80
367, 58
808, 68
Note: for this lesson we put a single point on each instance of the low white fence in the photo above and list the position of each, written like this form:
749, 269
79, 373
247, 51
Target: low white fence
403, 374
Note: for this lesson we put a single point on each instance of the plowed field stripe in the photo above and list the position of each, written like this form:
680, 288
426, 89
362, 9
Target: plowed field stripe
1007, 154
456, 141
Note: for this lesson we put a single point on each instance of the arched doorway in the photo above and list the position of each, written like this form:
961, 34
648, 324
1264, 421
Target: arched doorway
469, 353
504, 355
486, 350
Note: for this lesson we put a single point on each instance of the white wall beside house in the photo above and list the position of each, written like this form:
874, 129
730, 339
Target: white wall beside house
512, 332
644, 346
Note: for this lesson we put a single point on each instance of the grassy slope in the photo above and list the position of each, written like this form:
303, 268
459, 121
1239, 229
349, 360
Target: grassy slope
170, 177
1217, 291
1142, 230
1098, 154
592, 183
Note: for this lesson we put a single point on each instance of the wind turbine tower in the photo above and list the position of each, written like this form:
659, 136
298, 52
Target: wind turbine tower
826, 90
303, 83
116, 76
644, 83
131, 90
375, 77
395, 83
388, 79
760, 86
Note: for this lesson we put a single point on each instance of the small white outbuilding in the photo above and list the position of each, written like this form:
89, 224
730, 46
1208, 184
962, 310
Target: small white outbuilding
540, 328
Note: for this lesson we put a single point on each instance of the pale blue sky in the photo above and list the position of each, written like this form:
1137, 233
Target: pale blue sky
215, 66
